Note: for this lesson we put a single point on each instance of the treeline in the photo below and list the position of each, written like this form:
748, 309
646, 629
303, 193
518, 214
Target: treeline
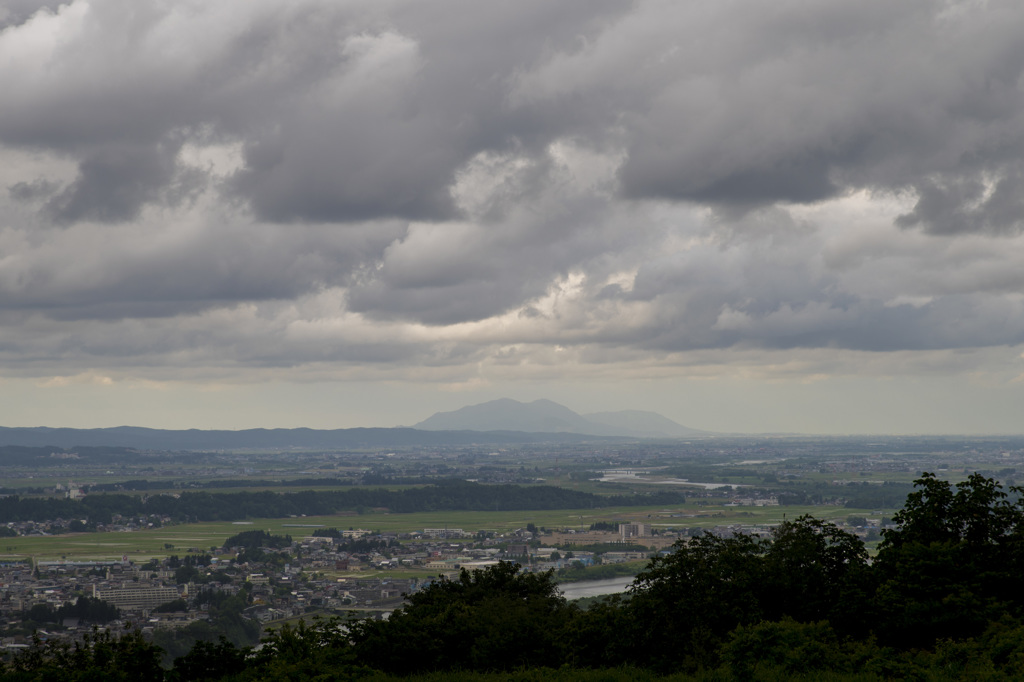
255, 539
22, 455
872, 496
941, 601
142, 485
353, 545
204, 506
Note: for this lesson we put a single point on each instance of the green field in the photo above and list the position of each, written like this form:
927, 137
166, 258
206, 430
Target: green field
188, 538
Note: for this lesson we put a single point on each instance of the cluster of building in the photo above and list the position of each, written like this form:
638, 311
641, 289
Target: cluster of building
59, 526
313, 574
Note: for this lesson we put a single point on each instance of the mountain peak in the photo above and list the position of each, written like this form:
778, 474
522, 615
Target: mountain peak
547, 416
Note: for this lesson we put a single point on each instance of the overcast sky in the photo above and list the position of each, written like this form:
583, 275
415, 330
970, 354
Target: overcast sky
745, 215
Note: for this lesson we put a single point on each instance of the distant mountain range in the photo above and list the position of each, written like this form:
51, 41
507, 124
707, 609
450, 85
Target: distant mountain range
546, 416
139, 438
496, 422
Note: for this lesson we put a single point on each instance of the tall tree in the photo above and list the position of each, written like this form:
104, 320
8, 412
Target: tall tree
496, 618
684, 603
953, 562
816, 571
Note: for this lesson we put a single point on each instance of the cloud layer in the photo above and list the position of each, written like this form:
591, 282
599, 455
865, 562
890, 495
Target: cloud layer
453, 190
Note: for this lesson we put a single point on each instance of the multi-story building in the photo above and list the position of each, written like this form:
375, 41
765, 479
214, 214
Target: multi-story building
137, 597
633, 530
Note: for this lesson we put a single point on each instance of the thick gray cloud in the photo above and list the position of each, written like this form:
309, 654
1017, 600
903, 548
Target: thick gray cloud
116, 181
109, 272
360, 111
967, 204
754, 103
16, 12
344, 112
446, 186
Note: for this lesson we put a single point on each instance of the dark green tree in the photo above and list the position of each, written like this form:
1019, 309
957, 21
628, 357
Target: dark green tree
209, 661
101, 655
89, 610
952, 564
497, 618
815, 571
784, 650
602, 636
172, 606
684, 604
319, 650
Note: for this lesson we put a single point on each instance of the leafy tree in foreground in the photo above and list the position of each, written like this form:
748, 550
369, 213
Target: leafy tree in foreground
785, 647
209, 661
318, 651
813, 572
685, 604
497, 618
953, 564
101, 655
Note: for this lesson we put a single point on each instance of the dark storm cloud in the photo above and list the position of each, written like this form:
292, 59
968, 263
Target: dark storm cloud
117, 272
116, 181
344, 113
755, 103
16, 12
32, 191
399, 110
356, 112
948, 206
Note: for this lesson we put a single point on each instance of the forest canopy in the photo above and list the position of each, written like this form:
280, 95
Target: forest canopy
450, 495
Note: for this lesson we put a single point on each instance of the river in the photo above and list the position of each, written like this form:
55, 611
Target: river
595, 588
